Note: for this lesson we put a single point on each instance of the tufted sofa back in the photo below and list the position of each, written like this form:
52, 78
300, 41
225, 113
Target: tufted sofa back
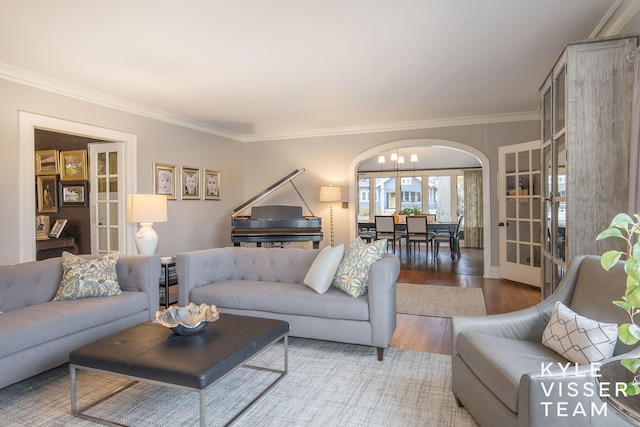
240, 263
29, 283
36, 282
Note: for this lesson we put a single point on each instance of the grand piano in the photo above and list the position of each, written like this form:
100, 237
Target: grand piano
275, 224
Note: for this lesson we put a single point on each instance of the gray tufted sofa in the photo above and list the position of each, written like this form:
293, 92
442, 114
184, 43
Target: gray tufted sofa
267, 283
37, 334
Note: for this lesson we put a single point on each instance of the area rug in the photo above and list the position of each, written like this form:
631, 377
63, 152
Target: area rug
439, 301
328, 384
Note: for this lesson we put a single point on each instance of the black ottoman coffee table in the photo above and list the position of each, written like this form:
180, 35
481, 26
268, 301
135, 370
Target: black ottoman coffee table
152, 353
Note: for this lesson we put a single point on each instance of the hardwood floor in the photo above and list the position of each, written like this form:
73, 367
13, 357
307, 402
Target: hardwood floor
433, 334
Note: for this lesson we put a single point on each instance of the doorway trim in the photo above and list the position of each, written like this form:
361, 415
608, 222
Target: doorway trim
27, 124
489, 271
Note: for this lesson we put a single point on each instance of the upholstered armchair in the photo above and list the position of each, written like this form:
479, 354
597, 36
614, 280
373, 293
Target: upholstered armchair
504, 376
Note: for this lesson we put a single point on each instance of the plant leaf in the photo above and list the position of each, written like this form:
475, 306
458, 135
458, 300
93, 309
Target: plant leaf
630, 389
623, 305
609, 259
625, 334
609, 232
622, 220
631, 363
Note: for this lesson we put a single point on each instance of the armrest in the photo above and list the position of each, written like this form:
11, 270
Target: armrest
199, 268
382, 299
141, 273
527, 324
549, 391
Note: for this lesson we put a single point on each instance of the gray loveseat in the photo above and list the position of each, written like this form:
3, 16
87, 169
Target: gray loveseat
498, 360
37, 333
268, 283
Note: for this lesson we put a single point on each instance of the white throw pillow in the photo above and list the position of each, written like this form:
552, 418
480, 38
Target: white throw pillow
323, 269
577, 338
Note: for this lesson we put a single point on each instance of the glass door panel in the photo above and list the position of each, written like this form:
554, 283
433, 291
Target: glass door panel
107, 198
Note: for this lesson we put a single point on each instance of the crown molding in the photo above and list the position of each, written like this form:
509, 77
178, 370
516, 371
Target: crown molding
402, 126
39, 81
28, 78
618, 16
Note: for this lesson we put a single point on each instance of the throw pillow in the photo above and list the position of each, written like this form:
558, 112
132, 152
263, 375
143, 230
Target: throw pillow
352, 276
323, 269
84, 278
577, 338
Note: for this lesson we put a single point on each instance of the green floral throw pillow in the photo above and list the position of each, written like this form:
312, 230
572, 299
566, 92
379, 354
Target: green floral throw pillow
84, 278
352, 276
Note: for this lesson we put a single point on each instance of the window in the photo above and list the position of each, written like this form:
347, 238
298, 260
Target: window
434, 192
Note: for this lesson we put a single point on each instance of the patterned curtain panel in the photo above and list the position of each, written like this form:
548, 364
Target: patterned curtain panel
473, 209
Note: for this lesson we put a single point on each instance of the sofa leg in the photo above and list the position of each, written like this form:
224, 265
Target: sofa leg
460, 405
380, 353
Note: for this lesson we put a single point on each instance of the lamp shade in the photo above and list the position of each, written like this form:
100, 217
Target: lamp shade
147, 208
330, 194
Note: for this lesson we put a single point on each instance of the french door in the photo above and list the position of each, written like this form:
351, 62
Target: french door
107, 197
520, 211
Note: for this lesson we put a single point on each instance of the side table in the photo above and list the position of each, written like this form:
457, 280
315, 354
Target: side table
168, 277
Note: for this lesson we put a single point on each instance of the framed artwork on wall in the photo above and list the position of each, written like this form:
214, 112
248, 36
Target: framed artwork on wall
211, 185
73, 165
46, 187
73, 194
190, 183
47, 162
164, 180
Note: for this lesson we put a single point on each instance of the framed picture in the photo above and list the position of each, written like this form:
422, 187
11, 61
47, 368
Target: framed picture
57, 228
190, 183
73, 194
211, 185
46, 187
73, 165
47, 162
164, 180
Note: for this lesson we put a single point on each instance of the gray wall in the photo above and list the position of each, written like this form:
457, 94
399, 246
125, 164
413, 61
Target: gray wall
328, 160
192, 224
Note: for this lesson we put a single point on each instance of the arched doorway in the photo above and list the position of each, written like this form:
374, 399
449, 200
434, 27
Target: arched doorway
372, 154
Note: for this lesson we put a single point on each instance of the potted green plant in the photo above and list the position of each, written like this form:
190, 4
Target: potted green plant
627, 228
413, 210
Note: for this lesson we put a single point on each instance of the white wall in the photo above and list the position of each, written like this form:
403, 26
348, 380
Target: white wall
192, 224
327, 161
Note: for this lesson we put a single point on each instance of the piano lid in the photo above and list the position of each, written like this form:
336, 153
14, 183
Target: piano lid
264, 193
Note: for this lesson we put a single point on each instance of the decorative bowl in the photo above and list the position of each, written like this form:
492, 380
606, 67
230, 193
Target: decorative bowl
187, 320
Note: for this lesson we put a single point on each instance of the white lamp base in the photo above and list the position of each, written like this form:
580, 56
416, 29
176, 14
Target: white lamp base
146, 239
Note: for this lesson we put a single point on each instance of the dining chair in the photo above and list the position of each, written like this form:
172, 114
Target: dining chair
418, 232
386, 229
451, 236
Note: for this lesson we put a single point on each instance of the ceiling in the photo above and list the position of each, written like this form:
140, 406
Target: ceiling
255, 70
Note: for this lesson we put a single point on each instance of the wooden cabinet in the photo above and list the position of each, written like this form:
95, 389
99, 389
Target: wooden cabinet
585, 129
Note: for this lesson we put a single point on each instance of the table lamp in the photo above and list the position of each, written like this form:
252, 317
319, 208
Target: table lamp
146, 209
330, 194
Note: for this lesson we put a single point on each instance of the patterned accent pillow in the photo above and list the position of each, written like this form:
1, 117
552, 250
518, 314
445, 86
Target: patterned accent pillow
578, 339
83, 278
352, 276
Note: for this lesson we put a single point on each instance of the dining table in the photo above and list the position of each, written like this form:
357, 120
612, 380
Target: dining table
436, 227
